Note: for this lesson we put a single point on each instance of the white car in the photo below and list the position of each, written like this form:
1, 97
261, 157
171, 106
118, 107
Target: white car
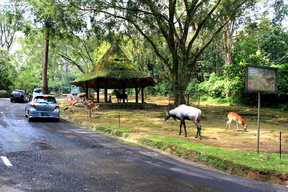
42, 106
37, 91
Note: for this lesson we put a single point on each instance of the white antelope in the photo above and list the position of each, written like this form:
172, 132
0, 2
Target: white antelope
90, 105
235, 117
268, 81
183, 112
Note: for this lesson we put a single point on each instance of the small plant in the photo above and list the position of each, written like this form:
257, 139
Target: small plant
114, 130
165, 128
245, 139
222, 165
63, 108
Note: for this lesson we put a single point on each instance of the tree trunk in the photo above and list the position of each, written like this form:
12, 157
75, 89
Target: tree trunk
227, 45
45, 64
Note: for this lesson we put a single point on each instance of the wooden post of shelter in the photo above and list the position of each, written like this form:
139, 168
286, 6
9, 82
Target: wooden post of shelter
123, 87
87, 90
142, 94
136, 91
98, 87
105, 91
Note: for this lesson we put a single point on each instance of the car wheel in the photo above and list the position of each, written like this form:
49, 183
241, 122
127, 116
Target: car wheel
29, 118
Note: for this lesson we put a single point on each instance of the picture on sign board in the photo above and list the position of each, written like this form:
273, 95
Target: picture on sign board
261, 79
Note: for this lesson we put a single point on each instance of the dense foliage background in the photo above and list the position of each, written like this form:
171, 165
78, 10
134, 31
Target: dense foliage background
254, 39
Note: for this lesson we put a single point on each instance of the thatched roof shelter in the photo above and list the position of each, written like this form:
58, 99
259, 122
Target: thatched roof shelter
114, 71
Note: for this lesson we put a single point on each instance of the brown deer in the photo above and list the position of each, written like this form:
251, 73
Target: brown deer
268, 81
81, 96
71, 103
235, 117
90, 105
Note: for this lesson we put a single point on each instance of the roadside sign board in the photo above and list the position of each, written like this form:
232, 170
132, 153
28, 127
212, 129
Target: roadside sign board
261, 79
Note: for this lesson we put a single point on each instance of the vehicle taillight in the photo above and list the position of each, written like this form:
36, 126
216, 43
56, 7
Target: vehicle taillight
57, 106
33, 105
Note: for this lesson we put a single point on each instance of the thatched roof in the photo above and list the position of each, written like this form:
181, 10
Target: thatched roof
113, 70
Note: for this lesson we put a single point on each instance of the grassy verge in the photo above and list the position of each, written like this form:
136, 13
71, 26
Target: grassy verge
222, 159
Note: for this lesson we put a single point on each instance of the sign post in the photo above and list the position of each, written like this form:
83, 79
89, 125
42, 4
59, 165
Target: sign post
258, 124
261, 80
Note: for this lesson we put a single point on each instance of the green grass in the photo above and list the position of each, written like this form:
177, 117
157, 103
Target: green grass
115, 130
221, 158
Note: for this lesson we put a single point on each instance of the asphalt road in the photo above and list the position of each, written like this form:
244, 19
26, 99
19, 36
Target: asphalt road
57, 156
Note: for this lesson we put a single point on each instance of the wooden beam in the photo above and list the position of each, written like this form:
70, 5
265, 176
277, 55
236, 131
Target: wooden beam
142, 91
142, 94
136, 91
123, 87
98, 101
106, 98
87, 90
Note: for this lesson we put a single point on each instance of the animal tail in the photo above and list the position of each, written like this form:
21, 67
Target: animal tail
198, 116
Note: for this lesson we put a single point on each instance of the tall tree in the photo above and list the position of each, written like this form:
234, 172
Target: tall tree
281, 11
45, 63
11, 22
83, 51
236, 21
56, 21
187, 27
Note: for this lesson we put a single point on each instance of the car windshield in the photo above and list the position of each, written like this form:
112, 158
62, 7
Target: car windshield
37, 90
42, 99
17, 92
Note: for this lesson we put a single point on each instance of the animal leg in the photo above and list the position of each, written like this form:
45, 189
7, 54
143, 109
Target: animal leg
198, 129
237, 125
228, 123
184, 128
180, 127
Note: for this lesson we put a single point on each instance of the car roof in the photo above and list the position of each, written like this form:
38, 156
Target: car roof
19, 90
47, 95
